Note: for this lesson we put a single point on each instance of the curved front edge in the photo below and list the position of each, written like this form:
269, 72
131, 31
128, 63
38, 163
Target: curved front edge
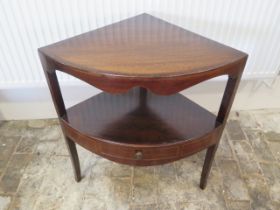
141, 155
164, 85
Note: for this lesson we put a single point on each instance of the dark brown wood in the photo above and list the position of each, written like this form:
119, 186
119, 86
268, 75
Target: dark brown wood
139, 58
160, 127
152, 154
61, 111
74, 158
140, 118
143, 51
227, 100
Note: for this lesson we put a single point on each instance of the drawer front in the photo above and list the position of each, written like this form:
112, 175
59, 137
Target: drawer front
141, 153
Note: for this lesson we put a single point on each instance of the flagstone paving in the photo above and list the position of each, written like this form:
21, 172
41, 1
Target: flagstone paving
36, 173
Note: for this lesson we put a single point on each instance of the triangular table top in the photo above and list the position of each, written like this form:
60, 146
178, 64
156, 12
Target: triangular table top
142, 46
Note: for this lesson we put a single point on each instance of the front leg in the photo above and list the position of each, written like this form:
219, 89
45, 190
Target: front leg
50, 73
74, 158
228, 97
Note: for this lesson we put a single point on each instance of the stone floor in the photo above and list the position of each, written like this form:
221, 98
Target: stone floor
36, 173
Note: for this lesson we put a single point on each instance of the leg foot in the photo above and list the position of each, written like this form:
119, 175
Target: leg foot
74, 158
210, 154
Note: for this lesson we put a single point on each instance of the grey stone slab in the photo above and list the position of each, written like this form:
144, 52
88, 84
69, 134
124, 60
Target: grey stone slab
27, 193
101, 188
52, 142
7, 142
4, 202
120, 170
169, 187
72, 200
7, 147
200, 156
189, 168
272, 136
51, 132
11, 177
19, 161
31, 181
37, 165
122, 193
198, 205
258, 191
166, 171
214, 191
144, 207
13, 123
59, 188
274, 191
273, 205
271, 172
52, 121
87, 161
36, 123
238, 205
186, 189
187, 186
91, 202
275, 149
60, 148
246, 119
195, 205
259, 145
235, 131
272, 176
49, 202
101, 167
234, 186
45, 147
188, 173
166, 205
101, 184
246, 157
13, 128
224, 151
46, 133
268, 120
27, 145
10, 181
144, 189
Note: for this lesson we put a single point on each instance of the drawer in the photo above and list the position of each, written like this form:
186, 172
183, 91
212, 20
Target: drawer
140, 153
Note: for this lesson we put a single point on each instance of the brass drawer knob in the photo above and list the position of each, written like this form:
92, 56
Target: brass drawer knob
138, 155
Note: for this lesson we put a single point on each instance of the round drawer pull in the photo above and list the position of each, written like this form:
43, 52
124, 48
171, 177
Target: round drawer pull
138, 155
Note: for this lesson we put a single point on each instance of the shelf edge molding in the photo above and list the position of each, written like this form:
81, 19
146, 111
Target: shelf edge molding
152, 154
159, 85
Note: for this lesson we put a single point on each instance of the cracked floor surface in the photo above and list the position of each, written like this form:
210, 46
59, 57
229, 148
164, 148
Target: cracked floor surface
36, 173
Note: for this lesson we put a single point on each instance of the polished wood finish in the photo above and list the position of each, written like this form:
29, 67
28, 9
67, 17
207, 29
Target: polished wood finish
147, 61
143, 51
126, 119
141, 128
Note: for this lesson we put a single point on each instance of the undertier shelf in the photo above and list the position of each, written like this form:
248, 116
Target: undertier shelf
140, 118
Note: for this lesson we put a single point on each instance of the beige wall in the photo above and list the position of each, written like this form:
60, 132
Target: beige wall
35, 102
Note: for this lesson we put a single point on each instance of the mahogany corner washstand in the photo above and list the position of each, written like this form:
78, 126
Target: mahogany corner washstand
140, 119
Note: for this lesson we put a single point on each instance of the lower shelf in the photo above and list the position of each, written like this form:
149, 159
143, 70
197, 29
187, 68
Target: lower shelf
141, 128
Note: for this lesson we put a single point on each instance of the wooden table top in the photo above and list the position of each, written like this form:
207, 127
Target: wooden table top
142, 46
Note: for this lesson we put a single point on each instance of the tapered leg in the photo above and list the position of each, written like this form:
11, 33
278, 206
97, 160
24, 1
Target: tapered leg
74, 158
54, 87
223, 113
210, 154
